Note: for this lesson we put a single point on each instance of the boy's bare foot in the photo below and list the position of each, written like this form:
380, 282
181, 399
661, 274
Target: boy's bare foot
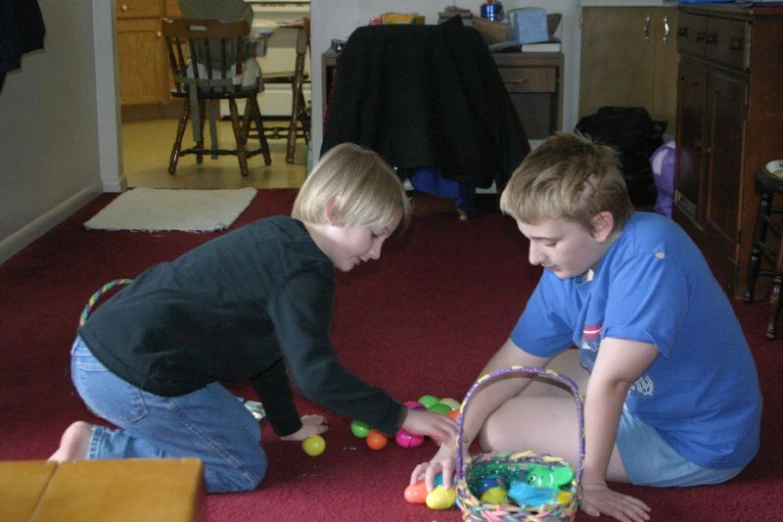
74, 443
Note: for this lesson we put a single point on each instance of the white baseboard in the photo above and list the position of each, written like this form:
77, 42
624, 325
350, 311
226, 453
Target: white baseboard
13, 244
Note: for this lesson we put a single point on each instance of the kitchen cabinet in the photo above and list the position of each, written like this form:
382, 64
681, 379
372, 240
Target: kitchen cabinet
629, 58
729, 122
143, 67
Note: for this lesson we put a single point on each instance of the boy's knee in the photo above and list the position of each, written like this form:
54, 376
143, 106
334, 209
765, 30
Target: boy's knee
243, 476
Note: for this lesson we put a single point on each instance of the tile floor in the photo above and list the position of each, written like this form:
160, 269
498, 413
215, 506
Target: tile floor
147, 146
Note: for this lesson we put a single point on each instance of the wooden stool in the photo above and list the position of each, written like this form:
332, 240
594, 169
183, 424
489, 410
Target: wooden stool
768, 182
153, 490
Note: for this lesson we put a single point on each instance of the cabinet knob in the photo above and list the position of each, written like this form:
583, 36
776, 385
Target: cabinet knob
158, 34
666, 29
711, 39
700, 36
736, 43
124, 7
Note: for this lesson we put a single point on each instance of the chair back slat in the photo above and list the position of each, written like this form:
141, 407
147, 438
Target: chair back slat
217, 49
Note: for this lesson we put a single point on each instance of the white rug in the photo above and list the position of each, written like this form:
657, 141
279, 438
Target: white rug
147, 209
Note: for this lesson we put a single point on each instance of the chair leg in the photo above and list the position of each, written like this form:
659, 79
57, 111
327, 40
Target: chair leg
304, 117
759, 237
238, 136
183, 122
774, 308
259, 121
200, 144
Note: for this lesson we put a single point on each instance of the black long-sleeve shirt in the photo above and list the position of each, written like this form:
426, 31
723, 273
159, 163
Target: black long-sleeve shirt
238, 308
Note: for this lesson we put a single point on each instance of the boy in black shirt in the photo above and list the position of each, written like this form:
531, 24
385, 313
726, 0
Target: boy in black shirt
242, 307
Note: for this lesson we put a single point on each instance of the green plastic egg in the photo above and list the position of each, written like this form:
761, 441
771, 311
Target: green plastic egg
439, 408
360, 429
428, 400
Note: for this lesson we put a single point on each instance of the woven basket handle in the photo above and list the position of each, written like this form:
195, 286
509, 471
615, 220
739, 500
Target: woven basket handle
520, 370
87, 310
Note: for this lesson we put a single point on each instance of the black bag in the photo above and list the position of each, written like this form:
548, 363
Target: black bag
635, 137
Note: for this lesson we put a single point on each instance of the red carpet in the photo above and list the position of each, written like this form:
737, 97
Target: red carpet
422, 320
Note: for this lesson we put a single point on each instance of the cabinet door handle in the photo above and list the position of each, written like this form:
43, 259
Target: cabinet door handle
665, 29
682, 32
647, 28
712, 39
518, 80
700, 36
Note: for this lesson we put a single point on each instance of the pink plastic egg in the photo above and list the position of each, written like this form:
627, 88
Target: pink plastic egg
406, 439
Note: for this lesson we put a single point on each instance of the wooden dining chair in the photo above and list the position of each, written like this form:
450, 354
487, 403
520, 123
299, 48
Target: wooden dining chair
208, 63
299, 123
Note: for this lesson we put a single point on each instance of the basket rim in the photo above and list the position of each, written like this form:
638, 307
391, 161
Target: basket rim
463, 462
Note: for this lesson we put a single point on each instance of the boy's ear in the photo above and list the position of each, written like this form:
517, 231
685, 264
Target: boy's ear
329, 212
603, 224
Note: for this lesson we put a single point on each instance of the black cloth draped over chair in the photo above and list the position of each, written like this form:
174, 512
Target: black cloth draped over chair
426, 96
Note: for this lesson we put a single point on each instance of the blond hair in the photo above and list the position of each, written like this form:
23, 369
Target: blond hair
364, 189
568, 176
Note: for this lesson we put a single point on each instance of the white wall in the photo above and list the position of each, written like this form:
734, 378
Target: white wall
49, 123
338, 18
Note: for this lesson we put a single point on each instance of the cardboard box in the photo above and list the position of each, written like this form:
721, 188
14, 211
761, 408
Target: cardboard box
402, 18
149, 490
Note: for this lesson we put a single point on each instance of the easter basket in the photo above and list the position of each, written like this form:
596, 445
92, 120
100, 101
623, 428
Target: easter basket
93, 300
520, 469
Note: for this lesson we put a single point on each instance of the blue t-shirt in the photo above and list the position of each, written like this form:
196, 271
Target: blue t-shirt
653, 286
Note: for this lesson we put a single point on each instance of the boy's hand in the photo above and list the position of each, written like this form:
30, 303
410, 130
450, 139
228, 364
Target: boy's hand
443, 462
311, 425
439, 427
598, 499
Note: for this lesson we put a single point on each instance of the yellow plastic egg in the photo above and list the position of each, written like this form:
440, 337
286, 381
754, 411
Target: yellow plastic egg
496, 495
441, 498
314, 445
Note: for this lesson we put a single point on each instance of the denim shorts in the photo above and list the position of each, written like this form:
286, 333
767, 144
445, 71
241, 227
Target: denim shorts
650, 461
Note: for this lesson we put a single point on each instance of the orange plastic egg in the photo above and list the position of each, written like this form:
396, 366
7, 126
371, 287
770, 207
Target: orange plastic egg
376, 440
416, 493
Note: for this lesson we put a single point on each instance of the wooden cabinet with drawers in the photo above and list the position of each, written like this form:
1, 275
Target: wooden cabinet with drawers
144, 77
729, 122
534, 82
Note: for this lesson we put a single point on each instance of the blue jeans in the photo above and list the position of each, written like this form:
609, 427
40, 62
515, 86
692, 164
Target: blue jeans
210, 424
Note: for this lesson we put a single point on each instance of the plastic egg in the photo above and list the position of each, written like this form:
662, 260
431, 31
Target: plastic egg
314, 445
406, 439
415, 405
488, 483
428, 400
496, 495
360, 429
454, 414
441, 498
451, 403
416, 493
376, 440
439, 408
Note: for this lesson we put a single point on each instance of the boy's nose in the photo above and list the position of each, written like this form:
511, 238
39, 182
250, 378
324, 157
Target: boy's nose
534, 255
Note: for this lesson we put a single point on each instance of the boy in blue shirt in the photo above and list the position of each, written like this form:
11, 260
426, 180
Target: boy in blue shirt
671, 390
